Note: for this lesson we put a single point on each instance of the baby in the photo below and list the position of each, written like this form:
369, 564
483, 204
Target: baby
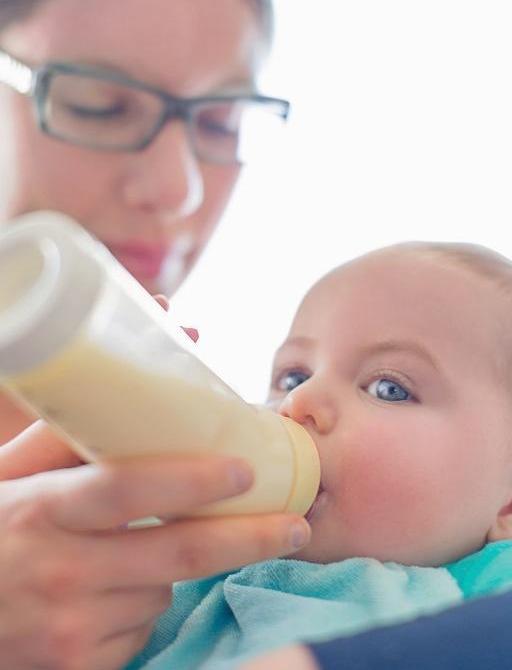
399, 365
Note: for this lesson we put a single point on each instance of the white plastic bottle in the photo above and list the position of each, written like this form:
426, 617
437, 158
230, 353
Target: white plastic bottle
87, 348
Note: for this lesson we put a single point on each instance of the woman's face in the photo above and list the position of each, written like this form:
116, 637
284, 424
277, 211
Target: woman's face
155, 209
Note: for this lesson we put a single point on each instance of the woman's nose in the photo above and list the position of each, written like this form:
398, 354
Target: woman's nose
310, 406
165, 178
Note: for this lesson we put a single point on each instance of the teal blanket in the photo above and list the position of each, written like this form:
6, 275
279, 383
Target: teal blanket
215, 623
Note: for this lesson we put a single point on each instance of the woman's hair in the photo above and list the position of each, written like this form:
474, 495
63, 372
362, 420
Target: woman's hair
16, 10
266, 13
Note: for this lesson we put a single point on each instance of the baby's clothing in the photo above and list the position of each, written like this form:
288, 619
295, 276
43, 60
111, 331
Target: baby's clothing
216, 623
487, 571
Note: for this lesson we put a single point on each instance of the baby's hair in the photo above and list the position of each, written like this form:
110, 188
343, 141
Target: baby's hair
484, 262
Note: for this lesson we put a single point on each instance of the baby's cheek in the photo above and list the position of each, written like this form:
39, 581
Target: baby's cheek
385, 496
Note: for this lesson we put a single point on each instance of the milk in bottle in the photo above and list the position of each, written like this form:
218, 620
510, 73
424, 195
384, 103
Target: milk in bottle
84, 345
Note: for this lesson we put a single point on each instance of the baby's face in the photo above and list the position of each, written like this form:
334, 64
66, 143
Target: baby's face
392, 366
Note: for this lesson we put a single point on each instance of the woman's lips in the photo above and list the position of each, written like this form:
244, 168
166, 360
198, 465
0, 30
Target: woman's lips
141, 260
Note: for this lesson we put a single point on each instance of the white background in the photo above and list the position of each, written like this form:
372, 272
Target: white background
401, 129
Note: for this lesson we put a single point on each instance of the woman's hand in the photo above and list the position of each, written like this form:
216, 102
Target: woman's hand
80, 592
288, 658
36, 449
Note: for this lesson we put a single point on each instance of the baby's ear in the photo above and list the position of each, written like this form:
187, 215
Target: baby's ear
502, 526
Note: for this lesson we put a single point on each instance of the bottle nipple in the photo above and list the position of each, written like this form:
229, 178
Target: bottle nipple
307, 468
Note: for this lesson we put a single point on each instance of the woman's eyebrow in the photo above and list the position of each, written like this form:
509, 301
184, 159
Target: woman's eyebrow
232, 86
401, 346
236, 86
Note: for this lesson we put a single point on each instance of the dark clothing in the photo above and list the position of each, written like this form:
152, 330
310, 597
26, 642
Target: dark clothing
473, 636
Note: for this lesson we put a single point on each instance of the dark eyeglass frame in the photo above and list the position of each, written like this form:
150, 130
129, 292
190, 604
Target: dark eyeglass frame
37, 81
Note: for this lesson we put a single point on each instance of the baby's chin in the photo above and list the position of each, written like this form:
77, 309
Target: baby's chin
305, 555
313, 554
320, 551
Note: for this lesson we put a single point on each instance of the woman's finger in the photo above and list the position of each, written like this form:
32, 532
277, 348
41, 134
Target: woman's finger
106, 495
162, 301
116, 651
76, 651
36, 449
116, 612
193, 548
193, 333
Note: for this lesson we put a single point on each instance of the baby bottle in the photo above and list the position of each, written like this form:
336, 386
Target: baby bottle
88, 349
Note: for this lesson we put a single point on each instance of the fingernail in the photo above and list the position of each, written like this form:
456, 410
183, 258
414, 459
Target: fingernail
193, 333
240, 475
299, 534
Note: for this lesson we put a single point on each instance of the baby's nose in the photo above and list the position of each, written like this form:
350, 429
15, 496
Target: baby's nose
310, 407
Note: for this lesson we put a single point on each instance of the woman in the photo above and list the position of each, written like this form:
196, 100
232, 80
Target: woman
150, 176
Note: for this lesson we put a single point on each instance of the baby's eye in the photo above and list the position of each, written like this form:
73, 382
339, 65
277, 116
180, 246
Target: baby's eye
389, 390
290, 379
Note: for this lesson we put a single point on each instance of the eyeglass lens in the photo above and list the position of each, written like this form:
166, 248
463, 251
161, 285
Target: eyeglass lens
103, 113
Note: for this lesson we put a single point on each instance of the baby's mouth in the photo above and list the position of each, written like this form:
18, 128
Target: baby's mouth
318, 503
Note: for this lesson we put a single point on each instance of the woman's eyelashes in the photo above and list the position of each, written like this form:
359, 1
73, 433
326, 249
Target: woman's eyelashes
388, 389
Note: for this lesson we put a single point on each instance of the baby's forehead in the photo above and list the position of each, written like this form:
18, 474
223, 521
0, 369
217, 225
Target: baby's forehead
412, 287
428, 292
364, 273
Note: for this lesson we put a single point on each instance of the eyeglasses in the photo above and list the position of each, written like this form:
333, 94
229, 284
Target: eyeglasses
106, 110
